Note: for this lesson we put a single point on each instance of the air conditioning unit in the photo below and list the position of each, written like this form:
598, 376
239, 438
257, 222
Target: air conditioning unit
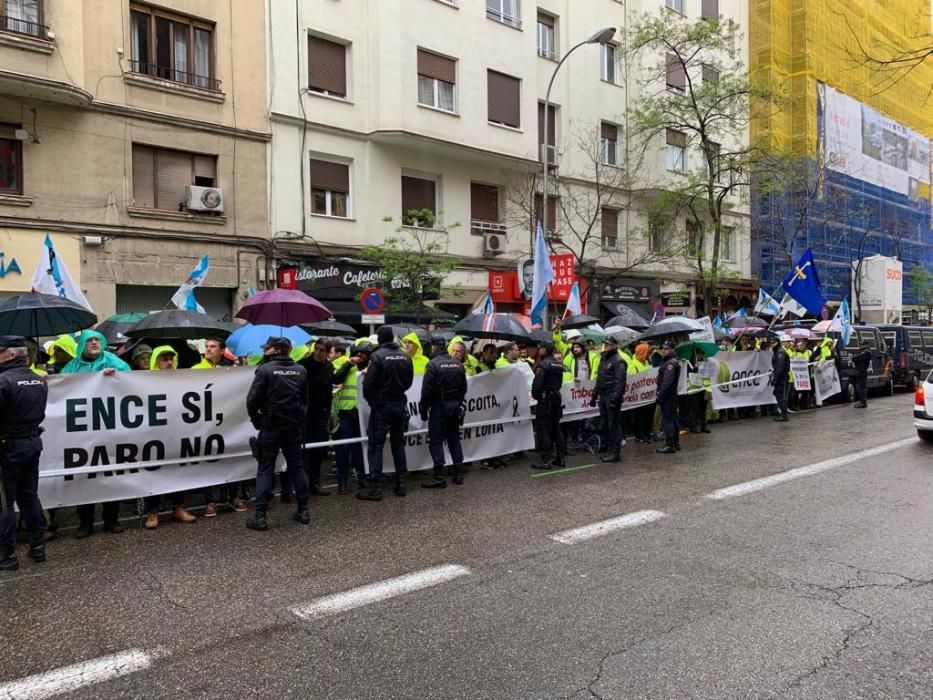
549, 153
493, 244
204, 199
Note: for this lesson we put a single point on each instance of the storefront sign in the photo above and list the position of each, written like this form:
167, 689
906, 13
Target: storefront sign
8, 267
629, 289
341, 280
670, 299
20, 252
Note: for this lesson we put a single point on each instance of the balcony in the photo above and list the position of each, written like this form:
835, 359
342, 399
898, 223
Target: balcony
25, 27
202, 82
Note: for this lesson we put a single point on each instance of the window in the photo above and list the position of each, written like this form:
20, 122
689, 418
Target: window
659, 236
172, 47
727, 244
11, 161
714, 151
505, 11
710, 9
22, 17
437, 78
694, 240
608, 144
330, 188
675, 5
610, 228
676, 151
160, 176
551, 214
927, 339
551, 131
484, 202
676, 74
419, 201
710, 74
327, 67
607, 62
547, 46
503, 99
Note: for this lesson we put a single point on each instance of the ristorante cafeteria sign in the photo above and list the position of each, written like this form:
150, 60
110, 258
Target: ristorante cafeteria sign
341, 280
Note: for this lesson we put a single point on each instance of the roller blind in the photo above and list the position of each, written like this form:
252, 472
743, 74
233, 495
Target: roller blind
174, 172
143, 176
430, 65
551, 124
484, 202
610, 132
503, 98
325, 175
676, 138
610, 223
417, 194
327, 66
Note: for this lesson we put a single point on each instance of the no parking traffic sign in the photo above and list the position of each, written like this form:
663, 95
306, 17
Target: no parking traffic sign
372, 301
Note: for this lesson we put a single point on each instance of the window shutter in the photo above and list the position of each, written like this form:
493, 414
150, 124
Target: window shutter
676, 138
610, 223
327, 66
174, 172
676, 75
417, 193
430, 65
484, 202
551, 125
546, 20
503, 98
143, 176
206, 166
710, 9
325, 175
608, 131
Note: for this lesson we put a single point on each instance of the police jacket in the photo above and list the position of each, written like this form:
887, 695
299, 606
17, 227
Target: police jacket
320, 386
610, 377
862, 361
279, 394
444, 380
549, 376
23, 395
780, 366
389, 376
668, 379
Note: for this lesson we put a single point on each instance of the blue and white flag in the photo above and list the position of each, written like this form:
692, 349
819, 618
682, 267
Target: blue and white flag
842, 322
741, 313
52, 277
790, 306
184, 297
803, 284
767, 304
573, 302
544, 273
717, 322
485, 305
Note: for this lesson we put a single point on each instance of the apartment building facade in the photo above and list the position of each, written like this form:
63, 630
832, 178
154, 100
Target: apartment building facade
382, 109
136, 136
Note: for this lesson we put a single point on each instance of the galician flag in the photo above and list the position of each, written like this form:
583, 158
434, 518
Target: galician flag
741, 313
485, 305
52, 277
573, 302
767, 304
790, 306
184, 297
842, 322
544, 273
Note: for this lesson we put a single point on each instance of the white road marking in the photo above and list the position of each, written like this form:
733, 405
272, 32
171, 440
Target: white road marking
375, 592
79, 675
809, 470
604, 527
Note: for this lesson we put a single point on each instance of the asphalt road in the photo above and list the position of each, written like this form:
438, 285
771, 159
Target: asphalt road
816, 581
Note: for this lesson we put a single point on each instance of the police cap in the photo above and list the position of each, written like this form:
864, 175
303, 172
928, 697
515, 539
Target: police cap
12, 341
365, 346
438, 341
278, 343
668, 345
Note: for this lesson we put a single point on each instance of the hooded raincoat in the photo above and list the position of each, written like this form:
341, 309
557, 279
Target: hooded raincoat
162, 350
106, 360
420, 360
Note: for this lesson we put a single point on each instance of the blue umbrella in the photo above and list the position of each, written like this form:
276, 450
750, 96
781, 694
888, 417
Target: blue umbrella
249, 339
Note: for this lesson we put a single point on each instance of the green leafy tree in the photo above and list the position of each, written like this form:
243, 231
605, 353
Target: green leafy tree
920, 284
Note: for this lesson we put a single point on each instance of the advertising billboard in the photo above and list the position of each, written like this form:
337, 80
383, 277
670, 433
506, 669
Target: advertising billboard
861, 142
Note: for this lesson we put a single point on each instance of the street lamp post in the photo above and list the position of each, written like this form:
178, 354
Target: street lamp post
602, 36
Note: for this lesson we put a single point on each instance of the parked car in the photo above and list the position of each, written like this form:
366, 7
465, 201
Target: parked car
923, 409
881, 370
912, 350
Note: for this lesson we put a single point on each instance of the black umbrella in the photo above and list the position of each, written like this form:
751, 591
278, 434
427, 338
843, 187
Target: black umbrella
495, 326
35, 315
329, 328
676, 325
629, 318
176, 323
582, 321
541, 337
746, 322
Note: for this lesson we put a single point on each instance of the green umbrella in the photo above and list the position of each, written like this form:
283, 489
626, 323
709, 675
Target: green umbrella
686, 350
114, 328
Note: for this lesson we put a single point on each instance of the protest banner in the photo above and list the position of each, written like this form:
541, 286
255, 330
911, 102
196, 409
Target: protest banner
498, 420
825, 381
575, 397
798, 367
743, 379
160, 432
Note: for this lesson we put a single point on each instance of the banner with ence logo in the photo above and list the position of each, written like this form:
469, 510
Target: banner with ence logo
493, 401
743, 379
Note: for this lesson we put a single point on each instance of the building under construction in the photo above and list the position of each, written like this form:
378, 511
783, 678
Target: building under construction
850, 132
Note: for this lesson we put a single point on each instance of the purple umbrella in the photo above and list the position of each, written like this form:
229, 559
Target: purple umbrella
283, 307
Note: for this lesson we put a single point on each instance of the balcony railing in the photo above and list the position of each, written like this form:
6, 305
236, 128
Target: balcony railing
22, 26
175, 76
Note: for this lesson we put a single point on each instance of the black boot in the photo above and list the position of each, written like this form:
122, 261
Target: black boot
613, 458
8, 560
114, 528
400, 489
437, 481
37, 546
677, 444
84, 530
258, 522
372, 492
668, 448
302, 516
458, 474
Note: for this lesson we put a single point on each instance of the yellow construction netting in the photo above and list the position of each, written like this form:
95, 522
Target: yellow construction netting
794, 44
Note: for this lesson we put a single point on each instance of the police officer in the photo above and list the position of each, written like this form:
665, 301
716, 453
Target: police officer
780, 379
608, 394
23, 395
442, 395
277, 404
545, 389
862, 363
668, 381
389, 376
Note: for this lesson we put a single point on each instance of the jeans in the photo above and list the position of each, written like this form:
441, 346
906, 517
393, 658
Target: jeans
861, 388
610, 424
288, 439
444, 426
316, 430
387, 420
348, 455
19, 474
550, 437
780, 395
